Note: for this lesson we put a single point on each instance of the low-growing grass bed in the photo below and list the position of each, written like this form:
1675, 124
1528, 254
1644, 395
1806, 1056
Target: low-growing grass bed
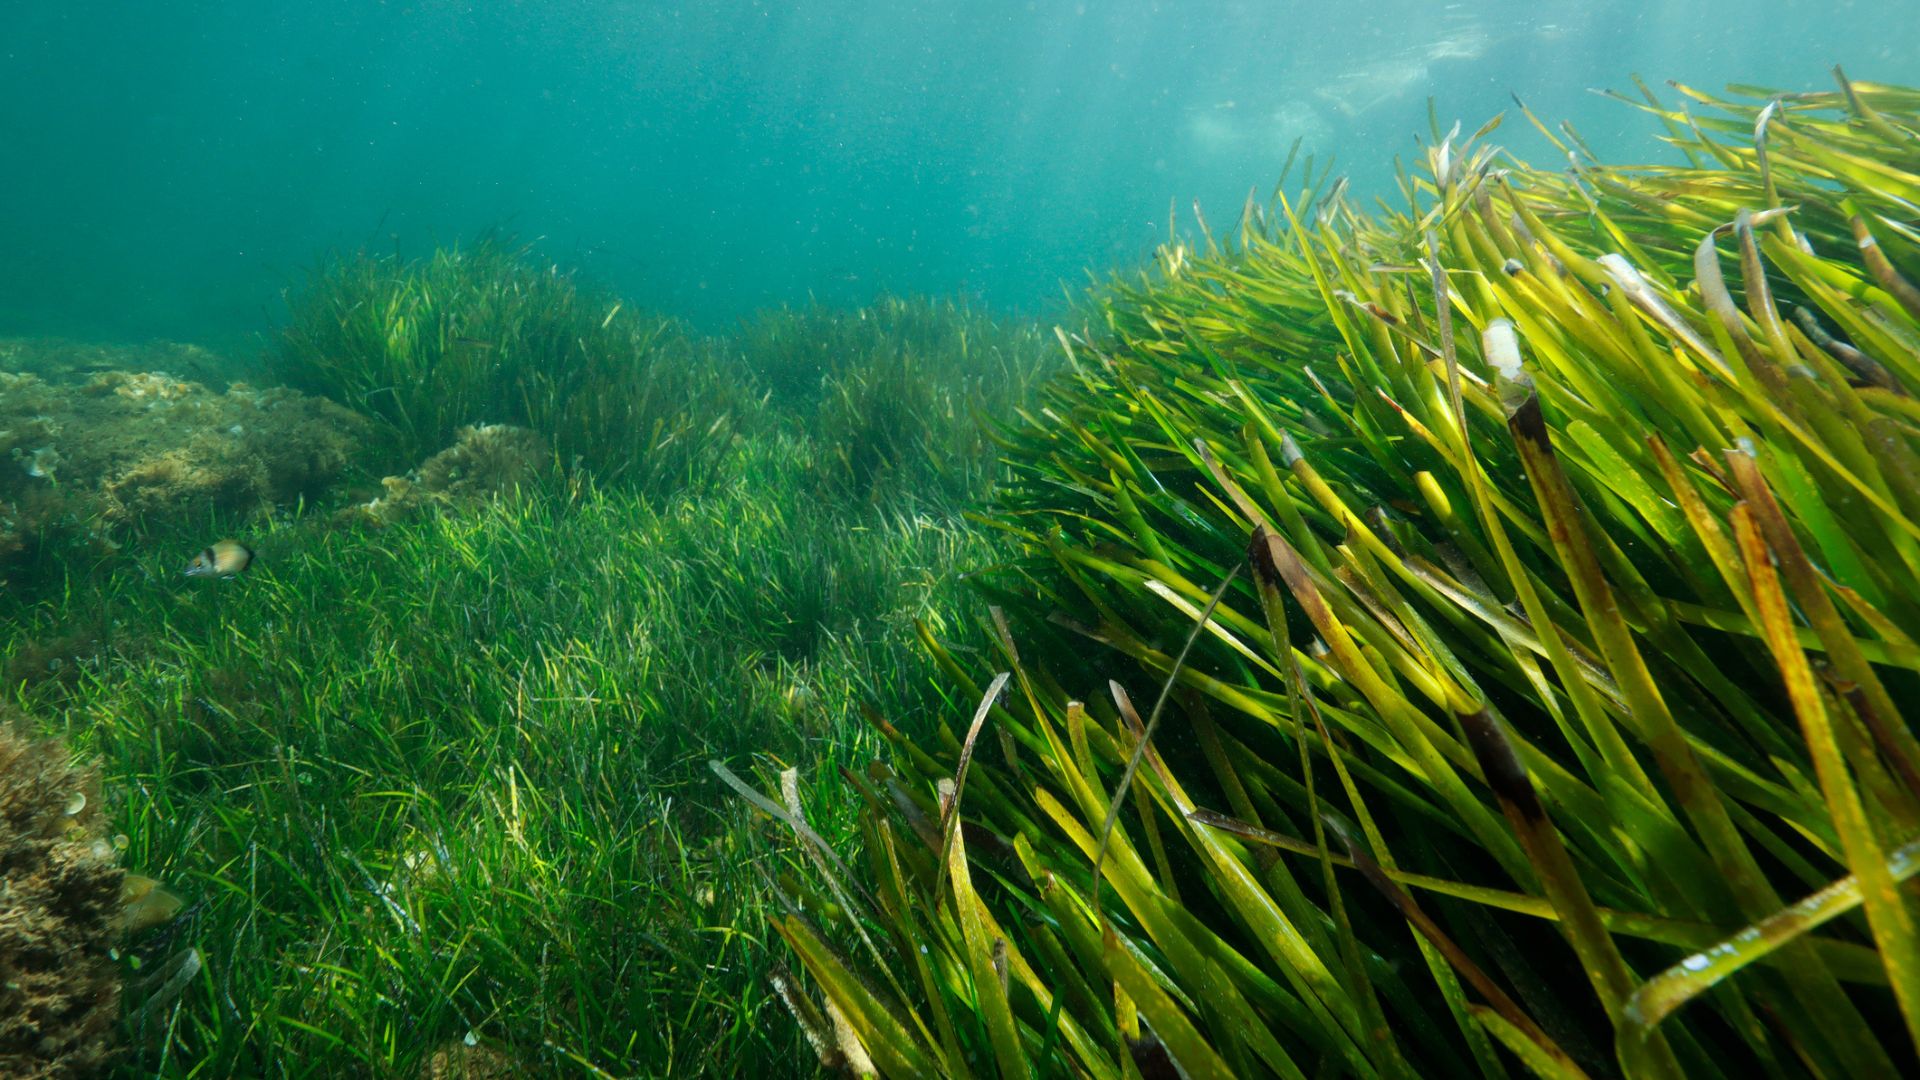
448, 778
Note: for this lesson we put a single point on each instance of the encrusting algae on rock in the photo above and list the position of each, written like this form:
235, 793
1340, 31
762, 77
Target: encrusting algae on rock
87, 454
60, 912
486, 460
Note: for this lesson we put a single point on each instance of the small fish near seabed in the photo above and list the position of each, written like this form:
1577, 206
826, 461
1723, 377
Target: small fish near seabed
223, 558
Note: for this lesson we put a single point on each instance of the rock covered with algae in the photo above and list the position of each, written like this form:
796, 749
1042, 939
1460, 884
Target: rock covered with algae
60, 912
86, 452
485, 460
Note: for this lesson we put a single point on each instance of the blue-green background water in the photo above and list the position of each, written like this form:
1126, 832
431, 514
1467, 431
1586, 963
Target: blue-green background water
166, 169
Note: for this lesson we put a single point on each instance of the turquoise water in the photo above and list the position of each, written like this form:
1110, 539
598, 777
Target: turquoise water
168, 169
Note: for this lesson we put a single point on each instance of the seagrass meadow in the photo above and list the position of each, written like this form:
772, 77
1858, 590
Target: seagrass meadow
1471, 635
1473, 632
426, 788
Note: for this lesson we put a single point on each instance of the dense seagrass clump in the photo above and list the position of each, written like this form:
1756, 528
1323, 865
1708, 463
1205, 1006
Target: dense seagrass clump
59, 901
892, 391
487, 334
1534, 568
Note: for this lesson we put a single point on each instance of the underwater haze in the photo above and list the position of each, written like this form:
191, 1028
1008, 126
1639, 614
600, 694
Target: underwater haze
171, 168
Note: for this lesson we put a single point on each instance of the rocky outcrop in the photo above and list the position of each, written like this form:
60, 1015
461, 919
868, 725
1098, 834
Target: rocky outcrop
488, 460
85, 454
